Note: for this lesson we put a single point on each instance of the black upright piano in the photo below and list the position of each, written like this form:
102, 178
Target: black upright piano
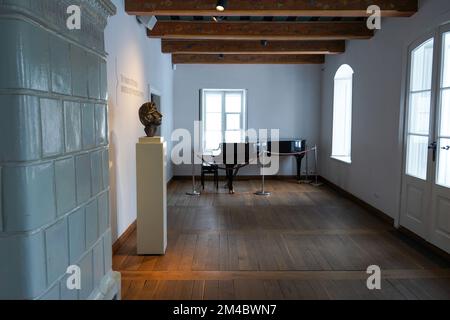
234, 156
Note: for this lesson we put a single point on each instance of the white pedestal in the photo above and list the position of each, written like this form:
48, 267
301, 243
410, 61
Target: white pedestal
151, 196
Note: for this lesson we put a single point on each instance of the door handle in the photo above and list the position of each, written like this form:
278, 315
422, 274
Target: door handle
446, 148
433, 146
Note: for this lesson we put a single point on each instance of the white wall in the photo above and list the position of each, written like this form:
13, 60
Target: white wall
380, 71
285, 97
134, 55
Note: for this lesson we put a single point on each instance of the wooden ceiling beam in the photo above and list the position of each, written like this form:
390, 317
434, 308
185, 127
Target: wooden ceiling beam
246, 59
243, 30
252, 47
300, 8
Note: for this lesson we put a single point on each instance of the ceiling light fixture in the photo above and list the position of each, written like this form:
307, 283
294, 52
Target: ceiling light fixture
221, 5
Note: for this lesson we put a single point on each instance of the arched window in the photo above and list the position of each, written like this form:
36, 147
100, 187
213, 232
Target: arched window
342, 114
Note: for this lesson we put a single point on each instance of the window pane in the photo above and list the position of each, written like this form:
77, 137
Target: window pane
342, 118
233, 136
446, 59
445, 113
345, 72
419, 114
213, 122
213, 102
223, 112
233, 102
422, 67
212, 140
233, 121
417, 156
443, 174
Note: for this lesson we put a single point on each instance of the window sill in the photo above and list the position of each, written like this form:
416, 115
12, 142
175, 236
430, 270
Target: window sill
347, 160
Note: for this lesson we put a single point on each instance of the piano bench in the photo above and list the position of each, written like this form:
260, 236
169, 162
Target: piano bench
208, 169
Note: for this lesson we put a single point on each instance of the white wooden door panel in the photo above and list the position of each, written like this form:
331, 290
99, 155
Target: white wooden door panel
416, 186
440, 198
425, 207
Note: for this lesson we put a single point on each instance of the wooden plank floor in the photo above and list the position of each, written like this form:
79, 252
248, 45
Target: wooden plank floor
300, 243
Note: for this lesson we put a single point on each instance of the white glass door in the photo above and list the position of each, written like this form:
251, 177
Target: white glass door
443, 136
426, 181
416, 188
440, 211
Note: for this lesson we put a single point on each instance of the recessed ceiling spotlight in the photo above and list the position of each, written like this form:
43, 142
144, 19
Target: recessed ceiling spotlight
221, 5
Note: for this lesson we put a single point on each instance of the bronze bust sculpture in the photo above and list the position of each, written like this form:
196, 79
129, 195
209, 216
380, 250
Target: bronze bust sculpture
150, 117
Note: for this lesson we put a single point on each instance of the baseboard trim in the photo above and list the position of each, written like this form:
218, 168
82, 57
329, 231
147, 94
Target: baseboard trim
237, 178
424, 243
124, 237
171, 180
380, 214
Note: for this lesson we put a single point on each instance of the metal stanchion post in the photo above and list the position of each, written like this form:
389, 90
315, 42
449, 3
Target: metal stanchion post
316, 182
194, 192
263, 192
306, 181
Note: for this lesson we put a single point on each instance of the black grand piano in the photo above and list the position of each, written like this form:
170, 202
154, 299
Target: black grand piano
234, 156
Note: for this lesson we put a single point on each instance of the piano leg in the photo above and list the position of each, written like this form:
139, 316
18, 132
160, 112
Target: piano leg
230, 176
299, 166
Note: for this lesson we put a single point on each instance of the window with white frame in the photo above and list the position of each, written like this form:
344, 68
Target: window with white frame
342, 114
223, 115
